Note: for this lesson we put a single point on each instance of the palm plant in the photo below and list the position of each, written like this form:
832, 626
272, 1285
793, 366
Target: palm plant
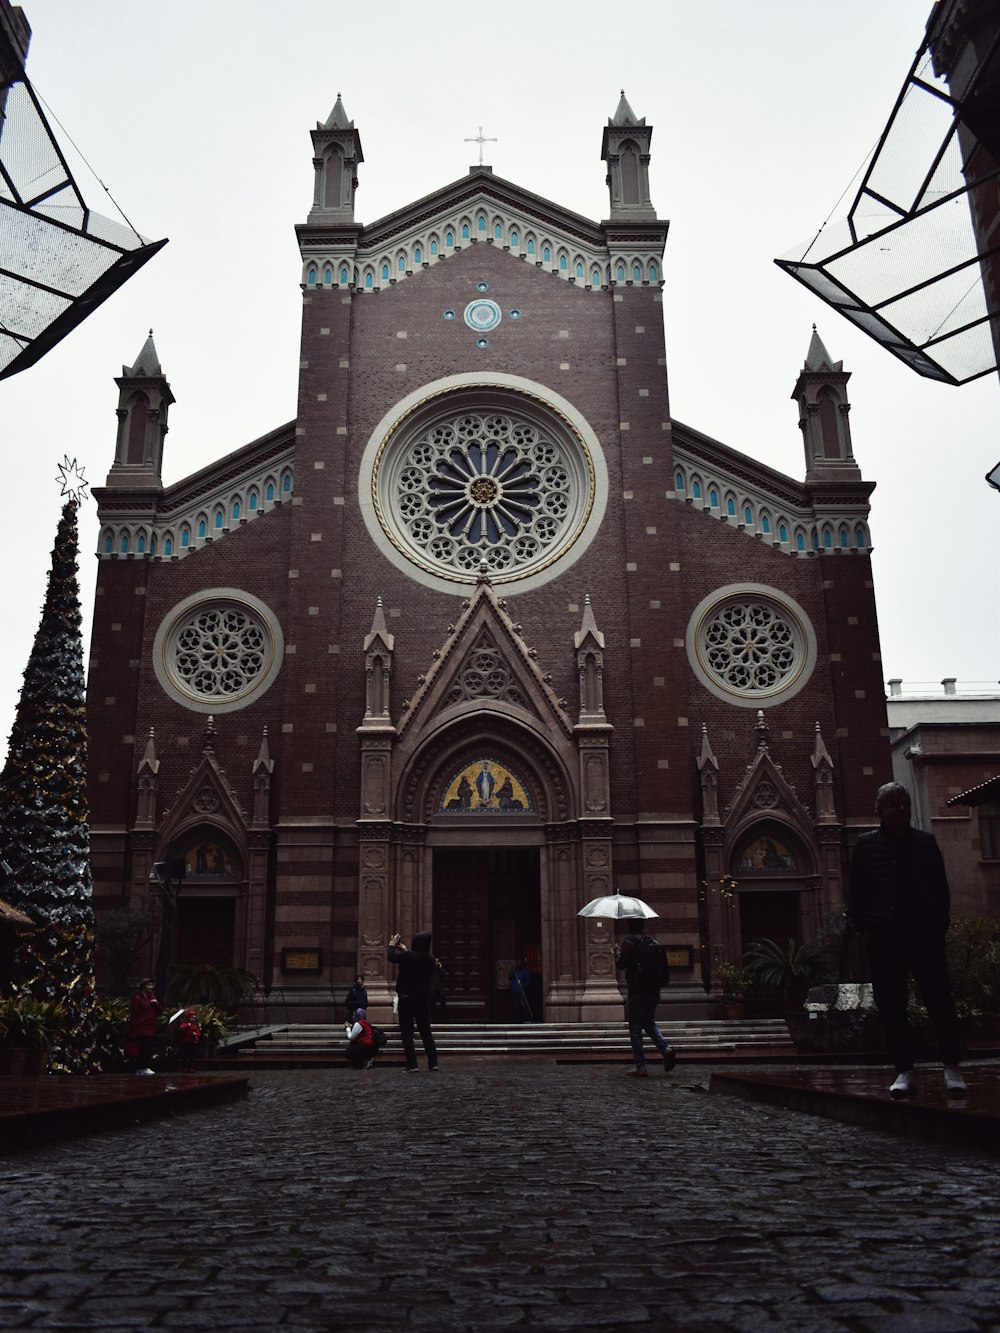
785, 970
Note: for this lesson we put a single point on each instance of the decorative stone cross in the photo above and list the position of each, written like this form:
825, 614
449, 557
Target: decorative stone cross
480, 140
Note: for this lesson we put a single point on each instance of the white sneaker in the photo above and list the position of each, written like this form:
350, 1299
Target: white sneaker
953, 1080
903, 1086
143, 1071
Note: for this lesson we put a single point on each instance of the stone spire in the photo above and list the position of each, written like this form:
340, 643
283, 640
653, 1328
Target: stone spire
144, 400
337, 155
625, 148
821, 393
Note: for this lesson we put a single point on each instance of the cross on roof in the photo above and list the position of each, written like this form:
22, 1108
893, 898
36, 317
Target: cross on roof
480, 140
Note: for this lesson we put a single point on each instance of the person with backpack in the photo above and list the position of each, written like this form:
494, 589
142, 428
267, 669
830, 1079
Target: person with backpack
644, 963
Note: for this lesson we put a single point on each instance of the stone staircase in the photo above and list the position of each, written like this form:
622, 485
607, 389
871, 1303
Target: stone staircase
321, 1043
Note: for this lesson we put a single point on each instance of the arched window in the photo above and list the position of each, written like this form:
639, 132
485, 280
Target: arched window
449, 240
765, 523
497, 232
109, 543
653, 273
123, 544
345, 277
434, 248
531, 246
481, 222
562, 263
418, 255
252, 502
185, 537
369, 280
202, 528
140, 544
168, 546
465, 231
782, 533
815, 540
513, 239
827, 540
713, 498
595, 279
620, 273
579, 271
678, 481
637, 273
859, 538
236, 511
286, 483
218, 520
401, 264
696, 490
311, 278
748, 516
327, 276
547, 255
800, 541
844, 539
385, 272
152, 544
731, 507
269, 493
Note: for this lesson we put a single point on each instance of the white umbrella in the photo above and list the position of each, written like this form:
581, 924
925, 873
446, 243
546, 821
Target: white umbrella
619, 907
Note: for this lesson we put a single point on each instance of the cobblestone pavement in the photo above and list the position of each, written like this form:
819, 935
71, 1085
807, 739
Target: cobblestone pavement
489, 1197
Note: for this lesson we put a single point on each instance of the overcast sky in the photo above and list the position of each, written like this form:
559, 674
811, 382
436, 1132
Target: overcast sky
196, 117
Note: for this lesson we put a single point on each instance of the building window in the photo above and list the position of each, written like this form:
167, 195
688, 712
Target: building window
312, 277
678, 481
434, 248
236, 511
748, 516
562, 263
696, 490
731, 507
369, 280
401, 264
202, 528
497, 232
252, 503
123, 544
579, 271
547, 255
989, 830
286, 483
859, 537
449, 240
140, 545
713, 498
765, 524
327, 276
465, 231
783, 533
800, 541
513, 489
513, 239
269, 493
109, 543
168, 546
595, 279
748, 643
653, 273
636, 273
418, 255
345, 277
385, 272
531, 247
482, 224
218, 518
185, 537
620, 273
217, 650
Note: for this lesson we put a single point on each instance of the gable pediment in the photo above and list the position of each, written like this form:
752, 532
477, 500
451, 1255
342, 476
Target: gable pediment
484, 663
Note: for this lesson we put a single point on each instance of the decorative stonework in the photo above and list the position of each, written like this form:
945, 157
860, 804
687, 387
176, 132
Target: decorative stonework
474, 474
750, 644
217, 650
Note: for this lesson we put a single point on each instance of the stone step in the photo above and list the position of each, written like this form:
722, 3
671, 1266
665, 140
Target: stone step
327, 1039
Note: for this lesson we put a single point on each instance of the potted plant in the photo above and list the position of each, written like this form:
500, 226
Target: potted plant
734, 981
28, 1028
784, 970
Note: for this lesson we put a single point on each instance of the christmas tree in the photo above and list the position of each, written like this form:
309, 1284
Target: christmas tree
44, 833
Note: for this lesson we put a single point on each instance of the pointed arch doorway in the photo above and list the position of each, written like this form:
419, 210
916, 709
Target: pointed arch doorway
487, 915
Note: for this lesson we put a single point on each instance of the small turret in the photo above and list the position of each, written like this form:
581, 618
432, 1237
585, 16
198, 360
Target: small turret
144, 399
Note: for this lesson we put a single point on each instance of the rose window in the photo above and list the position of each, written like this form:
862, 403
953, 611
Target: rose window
751, 644
218, 650
477, 490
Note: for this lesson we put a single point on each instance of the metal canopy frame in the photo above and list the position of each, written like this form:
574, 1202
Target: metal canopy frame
59, 260
912, 264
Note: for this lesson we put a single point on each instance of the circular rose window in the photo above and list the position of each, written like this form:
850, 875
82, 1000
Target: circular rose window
750, 644
217, 650
493, 482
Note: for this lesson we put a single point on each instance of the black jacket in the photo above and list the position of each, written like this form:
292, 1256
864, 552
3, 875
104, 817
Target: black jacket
899, 884
416, 966
628, 962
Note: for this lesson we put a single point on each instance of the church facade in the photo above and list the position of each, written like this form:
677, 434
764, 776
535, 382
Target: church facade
483, 633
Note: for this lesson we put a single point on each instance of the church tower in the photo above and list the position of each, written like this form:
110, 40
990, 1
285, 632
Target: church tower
144, 400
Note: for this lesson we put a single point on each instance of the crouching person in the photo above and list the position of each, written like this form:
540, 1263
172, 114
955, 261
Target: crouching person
361, 1048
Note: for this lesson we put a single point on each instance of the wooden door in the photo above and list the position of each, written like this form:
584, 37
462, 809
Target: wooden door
461, 938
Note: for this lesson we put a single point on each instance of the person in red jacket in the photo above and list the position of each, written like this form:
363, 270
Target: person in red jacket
143, 1015
189, 1036
361, 1050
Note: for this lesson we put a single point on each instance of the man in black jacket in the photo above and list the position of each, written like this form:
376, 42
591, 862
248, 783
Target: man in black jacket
899, 898
413, 986
643, 980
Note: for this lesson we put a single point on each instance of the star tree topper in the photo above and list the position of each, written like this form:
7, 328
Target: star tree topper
72, 480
